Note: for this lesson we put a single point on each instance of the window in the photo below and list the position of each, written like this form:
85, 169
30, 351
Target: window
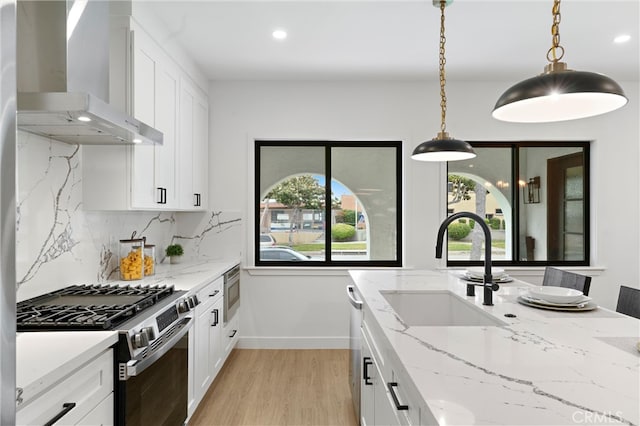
328, 203
533, 196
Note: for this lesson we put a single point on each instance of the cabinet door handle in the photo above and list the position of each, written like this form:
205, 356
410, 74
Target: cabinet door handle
196, 201
66, 407
162, 194
215, 318
233, 333
214, 293
391, 386
366, 362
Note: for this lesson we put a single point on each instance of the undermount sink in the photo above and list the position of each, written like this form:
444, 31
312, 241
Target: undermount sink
437, 308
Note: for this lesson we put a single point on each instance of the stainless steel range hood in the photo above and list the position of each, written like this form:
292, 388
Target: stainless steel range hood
63, 75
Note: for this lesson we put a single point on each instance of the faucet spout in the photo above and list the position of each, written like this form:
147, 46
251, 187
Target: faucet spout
488, 285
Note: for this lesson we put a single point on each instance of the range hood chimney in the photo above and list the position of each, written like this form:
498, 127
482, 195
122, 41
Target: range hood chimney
63, 75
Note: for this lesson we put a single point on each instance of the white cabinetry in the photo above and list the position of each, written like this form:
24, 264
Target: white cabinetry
208, 345
84, 397
155, 102
384, 395
231, 333
147, 83
194, 147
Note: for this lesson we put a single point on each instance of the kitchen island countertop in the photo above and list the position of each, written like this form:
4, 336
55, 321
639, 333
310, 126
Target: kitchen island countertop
541, 368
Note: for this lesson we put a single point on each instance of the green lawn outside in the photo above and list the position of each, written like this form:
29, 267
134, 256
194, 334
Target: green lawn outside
334, 246
464, 246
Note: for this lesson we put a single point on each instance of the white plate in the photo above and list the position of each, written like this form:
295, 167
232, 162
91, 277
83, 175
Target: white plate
479, 272
529, 298
556, 294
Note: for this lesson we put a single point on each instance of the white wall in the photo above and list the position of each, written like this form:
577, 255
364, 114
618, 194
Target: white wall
299, 310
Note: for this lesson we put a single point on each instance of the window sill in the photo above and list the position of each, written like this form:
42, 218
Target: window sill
308, 271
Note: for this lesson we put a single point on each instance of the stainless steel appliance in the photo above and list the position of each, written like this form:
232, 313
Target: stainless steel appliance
152, 350
231, 292
63, 76
355, 323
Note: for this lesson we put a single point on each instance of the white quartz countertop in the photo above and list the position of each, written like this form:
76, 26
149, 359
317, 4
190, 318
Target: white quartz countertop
44, 358
189, 276
542, 368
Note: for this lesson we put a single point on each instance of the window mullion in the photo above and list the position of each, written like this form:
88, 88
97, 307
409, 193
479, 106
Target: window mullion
327, 203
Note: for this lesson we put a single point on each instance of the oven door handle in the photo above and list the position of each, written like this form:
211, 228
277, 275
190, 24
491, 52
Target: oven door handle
138, 367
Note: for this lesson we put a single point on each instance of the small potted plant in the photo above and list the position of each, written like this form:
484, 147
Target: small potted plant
175, 252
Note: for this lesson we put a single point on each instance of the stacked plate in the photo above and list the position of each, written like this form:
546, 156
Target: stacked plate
557, 299
477, 275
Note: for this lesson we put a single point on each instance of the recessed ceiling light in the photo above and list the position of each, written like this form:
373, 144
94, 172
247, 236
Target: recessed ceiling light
84, 118
623, 38
279, 34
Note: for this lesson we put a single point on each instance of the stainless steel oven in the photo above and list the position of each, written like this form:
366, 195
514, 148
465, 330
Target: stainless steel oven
231, 293
153, 370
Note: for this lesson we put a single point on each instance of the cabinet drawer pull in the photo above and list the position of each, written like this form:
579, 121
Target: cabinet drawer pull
214, 293
66, 407
366, 362
391, 386
215, 317
233, 334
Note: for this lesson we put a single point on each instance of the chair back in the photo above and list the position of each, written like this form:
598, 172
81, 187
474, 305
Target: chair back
629, 301
559, 278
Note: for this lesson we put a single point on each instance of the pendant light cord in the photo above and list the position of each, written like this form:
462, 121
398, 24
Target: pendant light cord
556, 52
443, 95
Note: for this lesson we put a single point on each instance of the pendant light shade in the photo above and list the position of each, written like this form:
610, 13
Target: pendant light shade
443, 147
559, 94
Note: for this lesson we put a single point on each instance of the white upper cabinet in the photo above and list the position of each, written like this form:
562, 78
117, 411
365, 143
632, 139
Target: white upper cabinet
147, 83
194, 149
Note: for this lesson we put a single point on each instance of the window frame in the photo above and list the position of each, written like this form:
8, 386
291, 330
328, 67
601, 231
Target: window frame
516, 194
328, 145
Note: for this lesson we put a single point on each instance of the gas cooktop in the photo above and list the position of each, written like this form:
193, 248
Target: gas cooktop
87, 307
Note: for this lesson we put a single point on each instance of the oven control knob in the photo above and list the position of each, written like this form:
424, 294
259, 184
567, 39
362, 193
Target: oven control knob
149, 332
190, 302
140, 340
183, 307
196, 302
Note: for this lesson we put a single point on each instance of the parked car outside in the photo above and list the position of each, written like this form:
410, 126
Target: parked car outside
267, 240
282, 253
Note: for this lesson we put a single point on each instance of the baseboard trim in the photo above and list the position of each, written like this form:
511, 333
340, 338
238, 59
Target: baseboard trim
293, 343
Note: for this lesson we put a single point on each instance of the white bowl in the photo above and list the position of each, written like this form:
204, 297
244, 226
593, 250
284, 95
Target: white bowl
479, 272
556, 294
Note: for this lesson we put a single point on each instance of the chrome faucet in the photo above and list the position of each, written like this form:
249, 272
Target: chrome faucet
487, 282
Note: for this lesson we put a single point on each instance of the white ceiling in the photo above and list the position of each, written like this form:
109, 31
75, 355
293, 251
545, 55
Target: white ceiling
398, 39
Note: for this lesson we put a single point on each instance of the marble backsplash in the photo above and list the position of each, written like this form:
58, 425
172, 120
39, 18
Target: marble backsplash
60, 244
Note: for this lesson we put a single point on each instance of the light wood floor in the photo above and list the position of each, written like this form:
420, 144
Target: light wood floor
279, 387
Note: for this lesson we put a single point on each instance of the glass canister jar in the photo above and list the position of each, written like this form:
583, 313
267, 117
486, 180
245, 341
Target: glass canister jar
149, 259
131, 259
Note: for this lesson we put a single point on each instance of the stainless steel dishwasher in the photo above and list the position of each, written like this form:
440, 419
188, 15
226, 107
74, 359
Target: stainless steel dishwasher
354, 346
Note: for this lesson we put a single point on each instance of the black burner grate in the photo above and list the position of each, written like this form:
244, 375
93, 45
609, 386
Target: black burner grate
85, 307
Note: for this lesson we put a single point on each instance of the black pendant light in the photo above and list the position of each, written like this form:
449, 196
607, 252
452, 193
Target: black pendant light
443, 147
559, 94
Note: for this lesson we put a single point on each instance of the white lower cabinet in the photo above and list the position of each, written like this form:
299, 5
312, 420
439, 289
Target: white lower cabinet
208, 345
384, 396
84, 397
230, 334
